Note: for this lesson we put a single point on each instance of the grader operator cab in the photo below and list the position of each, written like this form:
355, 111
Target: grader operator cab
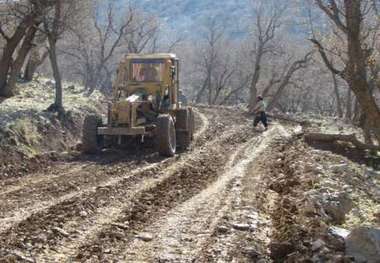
145, 105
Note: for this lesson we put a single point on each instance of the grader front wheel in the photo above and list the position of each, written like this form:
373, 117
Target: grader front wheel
90, 137
166, 136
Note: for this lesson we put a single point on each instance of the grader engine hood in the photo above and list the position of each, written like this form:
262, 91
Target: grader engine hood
124, 112
121, 113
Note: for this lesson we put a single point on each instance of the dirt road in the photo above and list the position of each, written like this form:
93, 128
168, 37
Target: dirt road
133, 206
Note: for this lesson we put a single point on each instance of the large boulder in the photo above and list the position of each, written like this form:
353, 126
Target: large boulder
337, 205
363, 244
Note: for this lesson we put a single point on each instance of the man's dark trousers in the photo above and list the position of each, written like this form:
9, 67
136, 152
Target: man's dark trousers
261, 117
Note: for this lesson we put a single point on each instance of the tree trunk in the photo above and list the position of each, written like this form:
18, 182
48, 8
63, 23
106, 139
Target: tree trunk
349, 104
8, 50
356, 72
337, 95
198, 97
209, 88
35, 60
58, 103
21, 56
255, 78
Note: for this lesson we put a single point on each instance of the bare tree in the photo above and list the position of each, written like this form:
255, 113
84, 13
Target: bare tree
18, 22
209, 57
144, 30
349, 17
22, 53
267, 22
37, 56
285, 79
93, 47
55, 21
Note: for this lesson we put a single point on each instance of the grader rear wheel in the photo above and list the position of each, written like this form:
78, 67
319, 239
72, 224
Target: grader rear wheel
192, 123
183, 126
166, 136
89, 136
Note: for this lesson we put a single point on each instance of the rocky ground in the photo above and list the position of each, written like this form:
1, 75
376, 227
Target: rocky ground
237, 195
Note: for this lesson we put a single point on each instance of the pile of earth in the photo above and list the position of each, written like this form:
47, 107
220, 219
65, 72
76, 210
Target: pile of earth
29, 133
323, 206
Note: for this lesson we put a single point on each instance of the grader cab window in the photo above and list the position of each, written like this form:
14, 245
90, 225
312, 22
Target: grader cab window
148, 70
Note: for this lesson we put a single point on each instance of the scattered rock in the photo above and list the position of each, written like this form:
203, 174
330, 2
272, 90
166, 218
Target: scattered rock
339, 168
283, 184
363, 244
241, 227
60, 231
41, 238
279, 250
83, 213
145, 237
252, 253
340, 232
377, 217
50, 83
317, 245
337, 206
23, 258
122, 226
222, 229
335, 238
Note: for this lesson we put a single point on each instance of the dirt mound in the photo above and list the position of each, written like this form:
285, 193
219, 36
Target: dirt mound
28, 132
312, 192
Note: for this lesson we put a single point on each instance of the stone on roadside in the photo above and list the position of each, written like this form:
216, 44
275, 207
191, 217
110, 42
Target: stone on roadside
279, 250
222, 229
241, 227
318, 244
363, 244
339, 168
338, 231
145, 237
83, 213
337, 206
60, 231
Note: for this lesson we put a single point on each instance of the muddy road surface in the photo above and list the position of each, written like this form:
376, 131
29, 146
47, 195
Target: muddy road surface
134, 206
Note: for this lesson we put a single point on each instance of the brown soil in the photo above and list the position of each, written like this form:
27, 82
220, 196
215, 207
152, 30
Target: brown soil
233, 197
60, 136
75, 207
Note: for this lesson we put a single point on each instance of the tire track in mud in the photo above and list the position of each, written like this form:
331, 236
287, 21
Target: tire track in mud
63, 172
155, 200
186, 228
106, 215
251, 245
30, 196
91, 230
35, 232
23, 202
16, 184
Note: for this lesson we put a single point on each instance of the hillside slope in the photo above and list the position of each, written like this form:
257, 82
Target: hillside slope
186, 16
28, 130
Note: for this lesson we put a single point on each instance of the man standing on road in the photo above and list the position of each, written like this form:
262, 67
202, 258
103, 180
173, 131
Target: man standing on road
259, 111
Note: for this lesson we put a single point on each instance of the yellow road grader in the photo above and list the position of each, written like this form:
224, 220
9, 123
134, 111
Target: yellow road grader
145, 104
